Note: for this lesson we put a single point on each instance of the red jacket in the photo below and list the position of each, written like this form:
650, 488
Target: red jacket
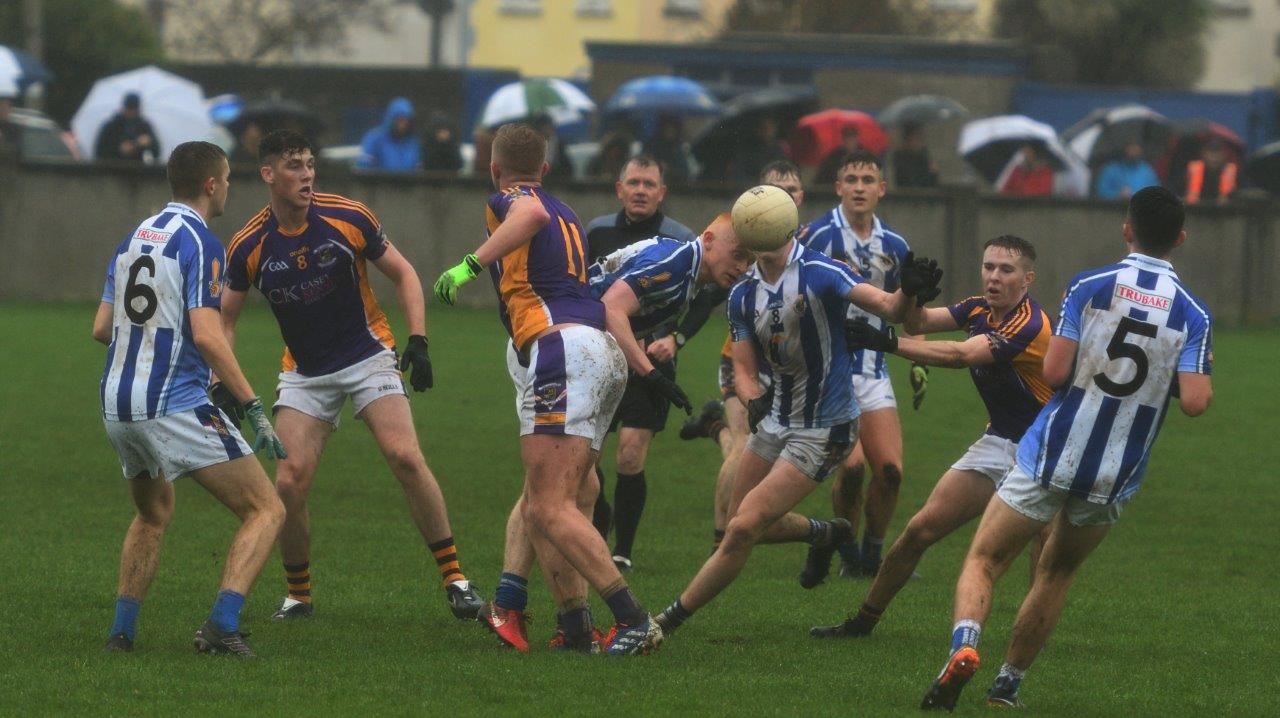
1025, 182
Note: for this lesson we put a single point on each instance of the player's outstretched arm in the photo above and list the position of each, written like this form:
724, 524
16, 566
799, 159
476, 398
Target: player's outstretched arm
928, 320
102, 322
890, 307
974, 351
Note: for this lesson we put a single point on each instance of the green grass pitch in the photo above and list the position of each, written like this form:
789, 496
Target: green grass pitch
1174, 615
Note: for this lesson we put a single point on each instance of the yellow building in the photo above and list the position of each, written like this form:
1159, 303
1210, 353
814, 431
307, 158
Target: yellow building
545, 37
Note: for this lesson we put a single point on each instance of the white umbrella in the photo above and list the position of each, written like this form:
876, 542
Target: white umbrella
562, 101
991, 146
1103, 133
173, 105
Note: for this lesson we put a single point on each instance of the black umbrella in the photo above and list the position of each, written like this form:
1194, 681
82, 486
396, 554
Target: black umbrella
1103, 134
277, 114
1263, 168
920, 109
718, 141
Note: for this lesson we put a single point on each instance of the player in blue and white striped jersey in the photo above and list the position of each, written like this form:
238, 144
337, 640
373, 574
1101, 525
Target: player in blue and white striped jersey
1130, 336
159, 317
792, 308
853, 234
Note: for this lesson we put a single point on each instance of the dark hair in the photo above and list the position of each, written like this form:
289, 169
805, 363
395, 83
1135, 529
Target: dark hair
861, 157
643, 160
782, 168
132, 101
1013, 243
278, 143
191, 164
520, 149
1156, 216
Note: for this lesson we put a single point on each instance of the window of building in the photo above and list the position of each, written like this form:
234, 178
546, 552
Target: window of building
1231, 8
683, 8
520, 7
954, 5
595, 8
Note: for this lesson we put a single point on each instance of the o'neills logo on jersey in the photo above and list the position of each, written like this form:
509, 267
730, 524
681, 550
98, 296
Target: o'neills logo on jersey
151, 235
1140, 297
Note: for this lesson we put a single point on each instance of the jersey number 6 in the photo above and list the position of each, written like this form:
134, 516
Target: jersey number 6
1120, 349
133, 290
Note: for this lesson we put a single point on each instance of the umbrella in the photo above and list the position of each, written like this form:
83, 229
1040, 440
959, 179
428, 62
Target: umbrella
784, 104
276, 114
173, 105
1103, 133
558, 99
662, 94
1186, 141
1263, 168
921, 109
816, 135
991, 144
18, 69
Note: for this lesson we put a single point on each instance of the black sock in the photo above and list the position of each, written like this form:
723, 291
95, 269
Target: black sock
622, 602
674, 615
576, 624
602, 515
628, 504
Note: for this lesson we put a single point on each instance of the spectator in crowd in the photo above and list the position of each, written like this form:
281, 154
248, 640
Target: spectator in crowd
1212, 177
246, 149
912, 166
1032, 176
757, 150
615, 150
127, 135
831, 164
392, 146
10, 131
670, 149
440, 151
1122, 177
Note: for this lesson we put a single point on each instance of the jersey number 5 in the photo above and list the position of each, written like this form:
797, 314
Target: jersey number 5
135, 291
1121, 349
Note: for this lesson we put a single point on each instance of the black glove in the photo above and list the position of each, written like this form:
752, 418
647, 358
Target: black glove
859, 334
920, 278
415, 358
669, 389
221, 397
758, 408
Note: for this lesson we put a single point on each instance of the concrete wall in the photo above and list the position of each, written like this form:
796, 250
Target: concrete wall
59, 224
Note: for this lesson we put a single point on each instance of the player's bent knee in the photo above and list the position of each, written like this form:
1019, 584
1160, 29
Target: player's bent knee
891, 475
406, 462
919, 535
743, 532
850, 481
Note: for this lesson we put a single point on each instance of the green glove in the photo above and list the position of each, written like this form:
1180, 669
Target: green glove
446, 287
264, 436
919, 384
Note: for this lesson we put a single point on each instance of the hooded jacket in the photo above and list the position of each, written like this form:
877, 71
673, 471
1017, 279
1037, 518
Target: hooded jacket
381, 149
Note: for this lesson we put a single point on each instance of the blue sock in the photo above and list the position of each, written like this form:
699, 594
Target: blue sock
126, 616
849, 552
817, 530
226, 611
965, 633
871, 549
512, 593
1010, 678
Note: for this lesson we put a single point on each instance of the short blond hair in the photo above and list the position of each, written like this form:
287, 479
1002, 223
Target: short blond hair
520, 149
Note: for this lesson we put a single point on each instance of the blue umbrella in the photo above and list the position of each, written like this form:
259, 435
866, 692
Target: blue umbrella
18, 70
662, 94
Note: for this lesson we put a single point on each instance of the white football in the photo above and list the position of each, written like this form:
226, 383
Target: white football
764, 218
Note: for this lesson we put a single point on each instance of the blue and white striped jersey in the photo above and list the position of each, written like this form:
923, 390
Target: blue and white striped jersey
798, 324
663, 272
878, 260
169, 265
1136, 326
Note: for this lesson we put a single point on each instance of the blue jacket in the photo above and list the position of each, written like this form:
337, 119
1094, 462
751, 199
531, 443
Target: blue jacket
1120, 174
381, 150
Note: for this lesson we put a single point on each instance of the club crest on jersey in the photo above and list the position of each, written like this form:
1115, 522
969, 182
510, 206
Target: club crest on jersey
646, 282
800, 305
325, 255
214, 421
1139, 297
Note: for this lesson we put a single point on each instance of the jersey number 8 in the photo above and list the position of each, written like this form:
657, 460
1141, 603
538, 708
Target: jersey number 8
1118, 348
134, 291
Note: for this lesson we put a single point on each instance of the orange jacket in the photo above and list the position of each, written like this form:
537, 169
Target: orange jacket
1195, 180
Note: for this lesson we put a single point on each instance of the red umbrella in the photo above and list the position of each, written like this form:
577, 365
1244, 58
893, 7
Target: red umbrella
816, 135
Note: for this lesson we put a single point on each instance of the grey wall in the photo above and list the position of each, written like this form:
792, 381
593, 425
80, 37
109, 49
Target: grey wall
58, 225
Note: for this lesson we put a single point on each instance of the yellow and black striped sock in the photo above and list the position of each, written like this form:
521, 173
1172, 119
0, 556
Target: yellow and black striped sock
299, 577
447, 560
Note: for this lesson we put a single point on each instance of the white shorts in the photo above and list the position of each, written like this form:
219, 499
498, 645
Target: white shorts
873, 394
571, 383
176, 444
322, 396
815, 452
1040, 503
991, 456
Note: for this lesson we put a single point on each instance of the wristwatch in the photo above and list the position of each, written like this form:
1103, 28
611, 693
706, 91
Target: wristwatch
680, 339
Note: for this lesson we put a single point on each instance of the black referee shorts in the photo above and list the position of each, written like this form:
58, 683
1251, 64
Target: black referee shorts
641, 407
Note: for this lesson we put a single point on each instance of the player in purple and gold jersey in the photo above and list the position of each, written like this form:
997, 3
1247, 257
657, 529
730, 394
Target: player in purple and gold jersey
307, 252
1008, 338
569, 375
